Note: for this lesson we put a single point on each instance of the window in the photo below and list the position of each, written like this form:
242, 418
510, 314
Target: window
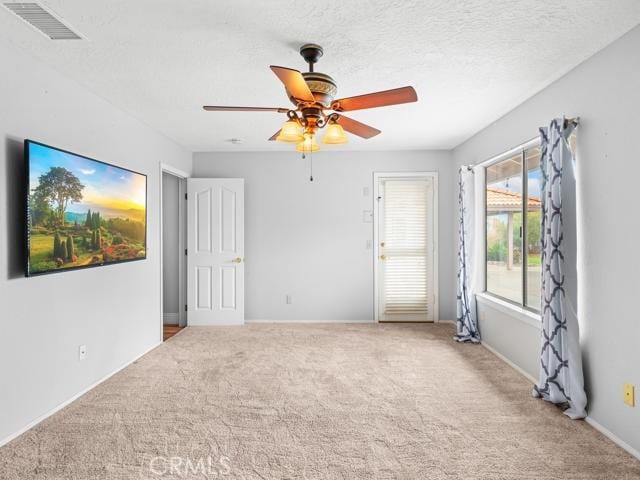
513, 211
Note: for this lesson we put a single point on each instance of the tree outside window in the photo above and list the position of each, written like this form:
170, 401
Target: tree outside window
513, 247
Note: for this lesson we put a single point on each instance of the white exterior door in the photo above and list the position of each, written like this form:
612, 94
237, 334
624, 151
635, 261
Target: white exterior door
215, 251
406, 258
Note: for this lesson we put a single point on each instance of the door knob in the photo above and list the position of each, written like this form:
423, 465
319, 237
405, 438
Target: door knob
237, 260
383, 257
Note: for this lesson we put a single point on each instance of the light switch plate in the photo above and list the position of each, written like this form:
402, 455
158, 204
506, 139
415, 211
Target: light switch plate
82, 352
629, 395
367, 216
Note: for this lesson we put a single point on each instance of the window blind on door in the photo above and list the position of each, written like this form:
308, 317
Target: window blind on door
407, 240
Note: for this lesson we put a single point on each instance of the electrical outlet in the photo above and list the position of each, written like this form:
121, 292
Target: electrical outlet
82, 352
288, 299
629, 395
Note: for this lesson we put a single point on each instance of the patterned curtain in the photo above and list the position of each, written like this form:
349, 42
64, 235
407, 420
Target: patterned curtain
466, 323
560, 380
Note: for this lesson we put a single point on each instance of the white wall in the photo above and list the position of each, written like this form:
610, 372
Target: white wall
516, 336
309, 239
604, 92
114, 310
170, 247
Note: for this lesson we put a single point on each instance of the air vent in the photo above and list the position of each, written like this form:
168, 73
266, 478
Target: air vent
41, 19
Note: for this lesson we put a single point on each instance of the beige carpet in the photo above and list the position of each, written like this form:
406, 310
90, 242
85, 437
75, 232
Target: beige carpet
315, 402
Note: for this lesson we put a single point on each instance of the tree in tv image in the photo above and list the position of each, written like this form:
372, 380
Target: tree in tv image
82, 212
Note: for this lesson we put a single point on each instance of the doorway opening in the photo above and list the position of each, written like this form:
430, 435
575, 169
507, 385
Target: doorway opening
406, 247
173, 188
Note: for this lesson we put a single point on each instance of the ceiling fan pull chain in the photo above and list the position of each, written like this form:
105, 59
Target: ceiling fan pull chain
311, 165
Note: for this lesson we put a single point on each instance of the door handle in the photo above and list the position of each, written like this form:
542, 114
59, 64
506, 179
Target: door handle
383, 257
237, 260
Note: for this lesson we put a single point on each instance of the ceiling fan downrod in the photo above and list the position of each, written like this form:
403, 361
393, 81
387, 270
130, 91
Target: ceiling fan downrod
311, 53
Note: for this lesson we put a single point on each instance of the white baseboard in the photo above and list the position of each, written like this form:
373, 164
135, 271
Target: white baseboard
35, 422
224, 323
261, 320
171, 318
607, 433
508, 362
309, 321
614, 438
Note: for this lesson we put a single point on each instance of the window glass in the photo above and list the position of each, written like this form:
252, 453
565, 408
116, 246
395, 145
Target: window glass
532, 241
504, 228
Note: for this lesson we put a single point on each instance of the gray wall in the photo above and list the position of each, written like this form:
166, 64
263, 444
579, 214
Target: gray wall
604, 92
170, 247
309, 240
510, 335
114, 310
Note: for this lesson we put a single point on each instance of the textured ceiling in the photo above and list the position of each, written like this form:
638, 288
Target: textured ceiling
470, 61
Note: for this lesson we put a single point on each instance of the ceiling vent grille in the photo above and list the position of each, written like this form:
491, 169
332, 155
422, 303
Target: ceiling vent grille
42, 20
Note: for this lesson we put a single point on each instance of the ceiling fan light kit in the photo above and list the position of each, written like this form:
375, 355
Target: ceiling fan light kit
291, 132
313, 94
335, 134
308, 145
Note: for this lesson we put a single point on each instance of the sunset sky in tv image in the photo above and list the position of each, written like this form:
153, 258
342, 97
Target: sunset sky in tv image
105, 186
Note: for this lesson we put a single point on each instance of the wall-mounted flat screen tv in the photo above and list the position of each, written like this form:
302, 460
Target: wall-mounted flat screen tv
81, 212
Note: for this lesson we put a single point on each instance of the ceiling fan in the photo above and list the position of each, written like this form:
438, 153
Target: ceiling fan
313, 94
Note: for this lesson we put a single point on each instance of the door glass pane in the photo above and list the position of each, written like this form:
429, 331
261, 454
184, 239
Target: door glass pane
534, 212
504, 222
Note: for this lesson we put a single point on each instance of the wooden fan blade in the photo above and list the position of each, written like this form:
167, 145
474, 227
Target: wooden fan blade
294, 83
274, 136
378, 99
357, 128
212, 108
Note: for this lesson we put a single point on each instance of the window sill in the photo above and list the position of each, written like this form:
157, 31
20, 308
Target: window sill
519, 313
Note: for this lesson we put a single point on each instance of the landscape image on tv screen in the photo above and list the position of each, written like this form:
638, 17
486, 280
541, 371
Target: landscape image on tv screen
82, 212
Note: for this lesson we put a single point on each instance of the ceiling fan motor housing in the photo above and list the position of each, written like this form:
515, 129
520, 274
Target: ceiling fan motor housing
322, 86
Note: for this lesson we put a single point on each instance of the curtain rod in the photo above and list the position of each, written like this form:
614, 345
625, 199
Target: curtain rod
575, 121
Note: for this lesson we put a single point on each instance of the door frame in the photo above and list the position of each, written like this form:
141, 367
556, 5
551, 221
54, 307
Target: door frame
376, 243
182, 225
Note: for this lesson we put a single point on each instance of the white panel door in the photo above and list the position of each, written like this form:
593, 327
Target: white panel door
215, 251
406, 249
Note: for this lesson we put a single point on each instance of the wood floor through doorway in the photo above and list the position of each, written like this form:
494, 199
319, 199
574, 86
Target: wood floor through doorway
315, 401
169, 331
